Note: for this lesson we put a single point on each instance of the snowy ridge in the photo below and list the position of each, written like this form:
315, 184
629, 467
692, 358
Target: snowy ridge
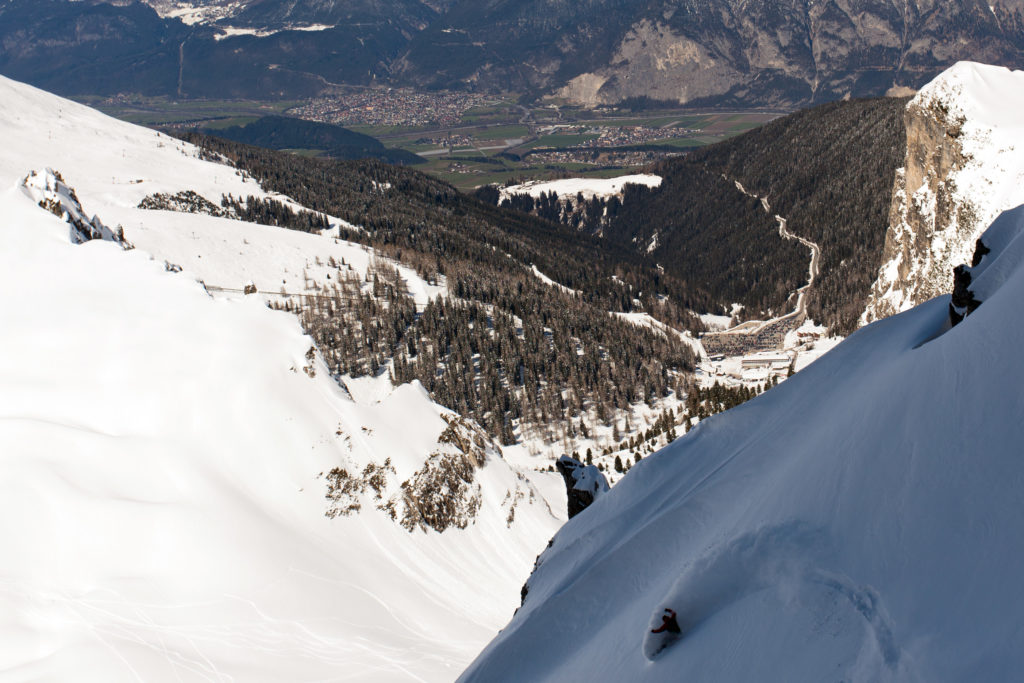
965, 165
588, 187
859, 522
113, 166
166, 454
551, 283
231, 31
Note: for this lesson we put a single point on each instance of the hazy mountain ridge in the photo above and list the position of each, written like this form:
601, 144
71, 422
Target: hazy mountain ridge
602, 51
725, 51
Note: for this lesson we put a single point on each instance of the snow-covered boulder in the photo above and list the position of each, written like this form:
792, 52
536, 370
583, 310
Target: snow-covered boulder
583, 484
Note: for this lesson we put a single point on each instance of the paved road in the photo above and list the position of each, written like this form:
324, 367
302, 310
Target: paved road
771, 333
813, 270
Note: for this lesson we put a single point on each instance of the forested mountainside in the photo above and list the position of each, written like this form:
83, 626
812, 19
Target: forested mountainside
858, 523
508, 346
828, 170
338, 142
721, 52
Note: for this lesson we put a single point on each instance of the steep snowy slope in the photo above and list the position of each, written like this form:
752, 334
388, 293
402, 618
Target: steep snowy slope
165, 454
113, 166
861, 522
964, 165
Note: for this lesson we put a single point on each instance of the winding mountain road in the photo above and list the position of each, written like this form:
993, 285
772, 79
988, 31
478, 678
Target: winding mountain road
745, 338
813, 270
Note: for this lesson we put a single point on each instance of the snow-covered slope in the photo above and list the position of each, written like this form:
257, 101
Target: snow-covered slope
588, 187
165, 455
113, 166
860, 522
964, 165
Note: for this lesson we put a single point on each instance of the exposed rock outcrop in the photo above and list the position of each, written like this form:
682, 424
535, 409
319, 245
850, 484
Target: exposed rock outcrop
722, 51
49, 190
962, 169
583, 484
963, 302
187, 201
440, 495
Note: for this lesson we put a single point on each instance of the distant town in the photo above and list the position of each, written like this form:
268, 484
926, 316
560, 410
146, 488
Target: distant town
391, 107
471, 139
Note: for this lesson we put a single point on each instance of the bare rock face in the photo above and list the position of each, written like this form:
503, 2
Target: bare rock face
962, 169
443, 494
52, 194
780, 53
583, 484
653, 61
999, 246
924, 207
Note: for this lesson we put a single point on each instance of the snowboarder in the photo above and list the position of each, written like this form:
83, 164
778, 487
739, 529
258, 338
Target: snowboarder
668, 623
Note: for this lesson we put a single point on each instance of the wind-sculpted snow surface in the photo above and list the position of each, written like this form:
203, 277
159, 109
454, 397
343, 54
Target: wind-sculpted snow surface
860, 522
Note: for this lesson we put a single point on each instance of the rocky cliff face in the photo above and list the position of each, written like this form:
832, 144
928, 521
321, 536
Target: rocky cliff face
583, 484
726, 52
722, 51
964, 165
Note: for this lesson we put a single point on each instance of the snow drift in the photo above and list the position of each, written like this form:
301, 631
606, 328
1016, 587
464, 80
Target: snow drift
860, 522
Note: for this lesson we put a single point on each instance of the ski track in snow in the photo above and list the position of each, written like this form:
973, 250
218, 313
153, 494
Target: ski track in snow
777, 558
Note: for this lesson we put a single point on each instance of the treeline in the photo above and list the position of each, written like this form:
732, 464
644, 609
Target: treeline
506, 348
828, 170
704, 402
270, 211
430, 225
501, 355
578, 212
357, 330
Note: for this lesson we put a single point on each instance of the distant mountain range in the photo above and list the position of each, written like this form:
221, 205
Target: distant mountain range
722, 52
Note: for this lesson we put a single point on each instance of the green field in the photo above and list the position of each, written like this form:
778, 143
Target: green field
501, 132
163, 111
486, 126
558, 141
